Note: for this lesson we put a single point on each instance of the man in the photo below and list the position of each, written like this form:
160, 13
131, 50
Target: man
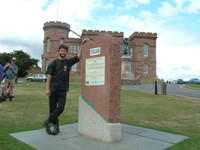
57, 86
11, 70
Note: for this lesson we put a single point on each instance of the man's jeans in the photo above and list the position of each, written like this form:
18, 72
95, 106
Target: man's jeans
57, 102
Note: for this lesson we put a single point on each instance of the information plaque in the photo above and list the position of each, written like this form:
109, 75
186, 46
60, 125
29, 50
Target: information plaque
95, 71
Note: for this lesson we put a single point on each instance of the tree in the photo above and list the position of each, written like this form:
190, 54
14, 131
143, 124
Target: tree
24, 61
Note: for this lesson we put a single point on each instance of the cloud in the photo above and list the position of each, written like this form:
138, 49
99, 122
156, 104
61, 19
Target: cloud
130, 4
194, 6
167, 10
144, 1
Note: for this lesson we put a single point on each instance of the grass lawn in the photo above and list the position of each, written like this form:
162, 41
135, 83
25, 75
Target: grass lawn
194, 86
168, 113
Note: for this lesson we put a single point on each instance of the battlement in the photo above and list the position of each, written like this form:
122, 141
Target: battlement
143, 35
56, 25
96, 32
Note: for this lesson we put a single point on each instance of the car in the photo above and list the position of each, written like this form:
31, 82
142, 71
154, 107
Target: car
194, 81
37, 77
180, 81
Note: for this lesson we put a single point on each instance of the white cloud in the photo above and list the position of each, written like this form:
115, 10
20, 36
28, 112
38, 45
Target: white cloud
194, 6
167, 10
144, 1
180, 3
130, 4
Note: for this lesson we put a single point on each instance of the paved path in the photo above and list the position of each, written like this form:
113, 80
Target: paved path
133, 138
175, 89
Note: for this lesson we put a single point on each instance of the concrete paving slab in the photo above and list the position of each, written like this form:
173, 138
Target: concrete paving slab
133, 138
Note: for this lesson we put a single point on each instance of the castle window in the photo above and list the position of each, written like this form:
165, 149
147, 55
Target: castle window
47, 63
61, 41
127, 68
146, 68
131, 51
74, 67
78, 49
48, 44
74, 48
71, 48
145, 49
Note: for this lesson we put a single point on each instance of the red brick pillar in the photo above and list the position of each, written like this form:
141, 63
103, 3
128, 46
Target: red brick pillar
99, 106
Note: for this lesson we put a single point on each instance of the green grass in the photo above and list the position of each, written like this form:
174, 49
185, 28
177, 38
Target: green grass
150, 80
168, 113
194, 86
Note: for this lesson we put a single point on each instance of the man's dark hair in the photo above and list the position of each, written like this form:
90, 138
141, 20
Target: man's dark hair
63, 46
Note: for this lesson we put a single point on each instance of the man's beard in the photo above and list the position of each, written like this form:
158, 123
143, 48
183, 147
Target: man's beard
62, 55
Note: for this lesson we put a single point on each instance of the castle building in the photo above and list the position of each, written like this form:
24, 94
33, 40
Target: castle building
142, 46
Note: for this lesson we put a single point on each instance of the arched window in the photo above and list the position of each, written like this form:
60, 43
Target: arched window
146, 68
146, 49
48, 44
47, 63
61, 41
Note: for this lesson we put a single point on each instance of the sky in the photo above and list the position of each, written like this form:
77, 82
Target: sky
176, 22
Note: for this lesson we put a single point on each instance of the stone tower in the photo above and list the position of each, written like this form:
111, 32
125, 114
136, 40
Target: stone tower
55, 34
143, 47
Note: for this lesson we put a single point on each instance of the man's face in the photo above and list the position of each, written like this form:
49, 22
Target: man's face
13, 61
62, 52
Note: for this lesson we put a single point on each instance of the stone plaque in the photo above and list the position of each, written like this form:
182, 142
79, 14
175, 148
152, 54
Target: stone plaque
95, 71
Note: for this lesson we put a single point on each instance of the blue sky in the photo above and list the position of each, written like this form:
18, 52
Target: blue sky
175, 21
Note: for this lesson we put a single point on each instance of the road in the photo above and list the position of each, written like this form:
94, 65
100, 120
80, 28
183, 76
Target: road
174, 89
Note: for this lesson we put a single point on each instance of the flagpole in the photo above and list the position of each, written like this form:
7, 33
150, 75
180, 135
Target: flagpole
57, 10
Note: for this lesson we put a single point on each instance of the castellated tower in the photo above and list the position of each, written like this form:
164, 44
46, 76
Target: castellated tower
143, 47
55, 34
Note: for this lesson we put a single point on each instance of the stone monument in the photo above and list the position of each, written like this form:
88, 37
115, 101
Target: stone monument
127, 77
99, 105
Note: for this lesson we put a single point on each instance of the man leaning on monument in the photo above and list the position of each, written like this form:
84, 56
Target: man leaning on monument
57, 86
11, 70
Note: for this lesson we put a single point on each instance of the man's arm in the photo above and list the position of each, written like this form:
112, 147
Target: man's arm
15, 72
6, 66
48, 92
80, 53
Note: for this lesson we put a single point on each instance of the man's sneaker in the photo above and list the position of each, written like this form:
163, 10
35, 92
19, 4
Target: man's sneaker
4, 98
1, 98
11, 97
46, 124
55, 129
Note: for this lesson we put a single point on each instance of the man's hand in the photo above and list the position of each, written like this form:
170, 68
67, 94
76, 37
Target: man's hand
48, 92
83, 42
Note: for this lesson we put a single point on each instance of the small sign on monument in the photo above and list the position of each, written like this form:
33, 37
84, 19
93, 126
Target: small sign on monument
95, 51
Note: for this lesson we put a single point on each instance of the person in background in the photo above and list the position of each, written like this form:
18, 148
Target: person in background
11, 70
57, 87
1, 78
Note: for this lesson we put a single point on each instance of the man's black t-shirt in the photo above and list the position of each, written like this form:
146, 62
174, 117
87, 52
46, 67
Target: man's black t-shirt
59, 70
